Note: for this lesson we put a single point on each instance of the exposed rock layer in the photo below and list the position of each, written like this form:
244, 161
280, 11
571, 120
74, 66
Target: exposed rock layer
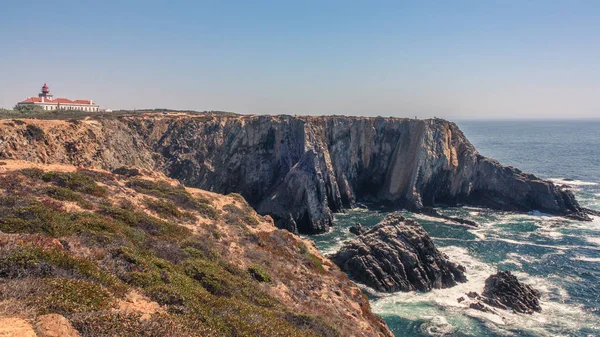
297, 169
398, 255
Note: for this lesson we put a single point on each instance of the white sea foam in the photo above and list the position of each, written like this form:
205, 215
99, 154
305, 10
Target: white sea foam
593, 240
587, 259
556, 318
572, 182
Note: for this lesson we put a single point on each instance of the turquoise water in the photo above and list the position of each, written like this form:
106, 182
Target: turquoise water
559, 257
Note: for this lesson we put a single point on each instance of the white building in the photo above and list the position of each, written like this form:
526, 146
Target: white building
47, 102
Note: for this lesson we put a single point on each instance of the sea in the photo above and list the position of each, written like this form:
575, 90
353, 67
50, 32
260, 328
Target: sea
559, 257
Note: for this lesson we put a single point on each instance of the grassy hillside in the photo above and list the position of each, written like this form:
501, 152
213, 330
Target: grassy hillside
135, 254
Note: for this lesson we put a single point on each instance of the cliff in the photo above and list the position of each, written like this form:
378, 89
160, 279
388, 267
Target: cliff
299, 170
91, 253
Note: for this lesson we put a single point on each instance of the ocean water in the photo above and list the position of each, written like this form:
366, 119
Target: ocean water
559, 257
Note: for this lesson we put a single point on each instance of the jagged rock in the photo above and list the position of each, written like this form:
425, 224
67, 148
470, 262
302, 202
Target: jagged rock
480, 306
430, 211
305, 168
398, 255
472, 294
357, 229
503, 290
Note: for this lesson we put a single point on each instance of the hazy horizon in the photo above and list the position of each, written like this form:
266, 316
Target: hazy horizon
459, 60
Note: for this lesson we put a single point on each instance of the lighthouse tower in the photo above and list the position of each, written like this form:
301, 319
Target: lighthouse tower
45, 94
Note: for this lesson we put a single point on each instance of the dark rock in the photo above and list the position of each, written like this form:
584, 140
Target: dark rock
591, 211
430, 211
398, 255
460, 299
357, 229
480, 306
472, 294
503, 290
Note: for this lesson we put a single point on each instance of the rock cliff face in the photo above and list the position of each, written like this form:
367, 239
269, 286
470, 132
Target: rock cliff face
398, 255
299, 170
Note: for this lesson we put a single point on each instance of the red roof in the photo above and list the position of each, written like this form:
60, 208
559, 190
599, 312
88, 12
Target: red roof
57, 101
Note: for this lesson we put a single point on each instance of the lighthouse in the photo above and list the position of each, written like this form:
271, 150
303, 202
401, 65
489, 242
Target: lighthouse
45, 94
46, 101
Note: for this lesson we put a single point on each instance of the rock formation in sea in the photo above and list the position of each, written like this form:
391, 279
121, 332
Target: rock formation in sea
504, 291
357, 229
299, 170
397, 255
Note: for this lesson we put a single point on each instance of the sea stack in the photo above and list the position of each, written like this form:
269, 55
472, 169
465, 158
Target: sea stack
398, 255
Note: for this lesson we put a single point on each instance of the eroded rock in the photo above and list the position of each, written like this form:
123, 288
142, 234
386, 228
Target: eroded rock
503, 290
398, 255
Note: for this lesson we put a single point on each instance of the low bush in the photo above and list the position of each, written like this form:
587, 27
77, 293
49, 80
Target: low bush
65, 194
259, 274
164, 209
76, 181
71, 296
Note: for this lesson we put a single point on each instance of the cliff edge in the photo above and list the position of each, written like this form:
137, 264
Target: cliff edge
299, 170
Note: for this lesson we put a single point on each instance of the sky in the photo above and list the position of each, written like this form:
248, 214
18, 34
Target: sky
452, 59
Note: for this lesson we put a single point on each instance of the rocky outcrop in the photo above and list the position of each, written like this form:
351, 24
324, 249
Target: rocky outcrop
398, 255
430, 211
503, 290
357, 229
299, 170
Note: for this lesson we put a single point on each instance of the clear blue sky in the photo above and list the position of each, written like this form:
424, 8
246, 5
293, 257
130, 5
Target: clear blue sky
453, 59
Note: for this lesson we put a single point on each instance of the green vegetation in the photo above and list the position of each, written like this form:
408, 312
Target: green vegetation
77, 182
70, 296
176, 194
124, 249
237, 216
312, 260
259, 274
28, 109
164, 209
65, 194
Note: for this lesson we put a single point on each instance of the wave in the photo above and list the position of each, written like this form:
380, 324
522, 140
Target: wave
562, 181
442, 315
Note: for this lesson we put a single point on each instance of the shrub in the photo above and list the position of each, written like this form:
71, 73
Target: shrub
34, 173
259, 274
238, 216
77, 182
178, 195
146, 223
65, 194
163, 208
312, 260
119, 324
212, 278
71, 296
33, 132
